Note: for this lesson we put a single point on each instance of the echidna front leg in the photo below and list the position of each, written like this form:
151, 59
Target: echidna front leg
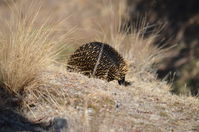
123, 82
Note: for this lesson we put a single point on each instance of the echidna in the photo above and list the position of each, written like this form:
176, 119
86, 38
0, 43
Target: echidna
99, 60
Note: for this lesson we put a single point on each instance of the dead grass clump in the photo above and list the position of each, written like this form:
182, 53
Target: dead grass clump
27, 47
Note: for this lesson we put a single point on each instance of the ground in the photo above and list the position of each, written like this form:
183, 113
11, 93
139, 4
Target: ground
96, 105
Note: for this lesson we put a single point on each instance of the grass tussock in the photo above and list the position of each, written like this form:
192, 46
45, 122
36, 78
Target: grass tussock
26, 46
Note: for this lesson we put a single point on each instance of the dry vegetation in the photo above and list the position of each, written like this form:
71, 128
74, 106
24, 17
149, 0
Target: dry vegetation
27, 48
32, 44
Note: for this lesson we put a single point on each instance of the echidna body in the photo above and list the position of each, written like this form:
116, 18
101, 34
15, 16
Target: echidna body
99, 60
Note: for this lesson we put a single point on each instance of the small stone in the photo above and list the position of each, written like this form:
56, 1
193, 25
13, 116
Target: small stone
90, 110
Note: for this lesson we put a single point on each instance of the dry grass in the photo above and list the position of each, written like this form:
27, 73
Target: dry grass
27, 47
31, 47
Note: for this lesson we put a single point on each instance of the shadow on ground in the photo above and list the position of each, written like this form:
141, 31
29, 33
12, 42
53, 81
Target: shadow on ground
11, 120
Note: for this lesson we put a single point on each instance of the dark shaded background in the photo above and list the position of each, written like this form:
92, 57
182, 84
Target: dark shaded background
182, 28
